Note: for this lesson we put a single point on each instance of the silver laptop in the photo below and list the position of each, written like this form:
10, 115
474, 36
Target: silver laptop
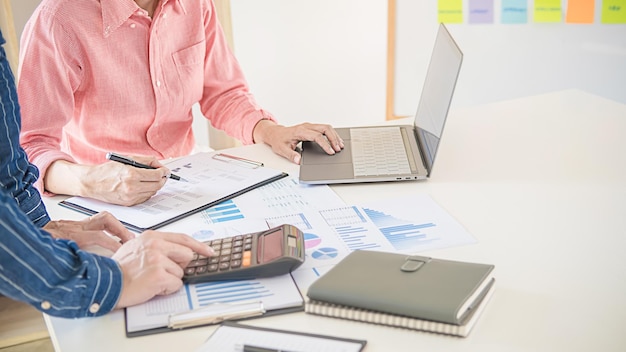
393, 152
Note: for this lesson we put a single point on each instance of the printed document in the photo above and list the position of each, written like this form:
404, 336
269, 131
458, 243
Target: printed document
209, 180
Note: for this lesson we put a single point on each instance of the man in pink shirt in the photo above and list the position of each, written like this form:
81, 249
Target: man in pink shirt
122, 76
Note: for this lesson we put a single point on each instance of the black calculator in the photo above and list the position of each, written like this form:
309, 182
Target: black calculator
272, 252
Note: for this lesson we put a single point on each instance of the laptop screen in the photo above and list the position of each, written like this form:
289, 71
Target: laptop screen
441, 77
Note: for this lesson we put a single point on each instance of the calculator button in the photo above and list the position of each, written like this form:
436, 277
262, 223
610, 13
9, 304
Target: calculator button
237, 249
200, 270
247, 246
214, 260
235, 264
225, 258
190, 271
211, 268
200, 262
226, 251
227, 245
224, 265
245, 260
236, 256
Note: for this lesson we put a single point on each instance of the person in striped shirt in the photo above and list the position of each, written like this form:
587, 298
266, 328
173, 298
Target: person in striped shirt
41, 261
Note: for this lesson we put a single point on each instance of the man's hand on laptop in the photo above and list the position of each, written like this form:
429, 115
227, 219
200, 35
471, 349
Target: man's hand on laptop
284, 140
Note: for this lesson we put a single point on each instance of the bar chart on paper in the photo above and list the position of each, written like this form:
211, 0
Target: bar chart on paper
228, 292
400, 233
353, 226
225, 211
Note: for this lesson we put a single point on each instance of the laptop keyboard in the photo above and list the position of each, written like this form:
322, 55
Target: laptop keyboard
378, 151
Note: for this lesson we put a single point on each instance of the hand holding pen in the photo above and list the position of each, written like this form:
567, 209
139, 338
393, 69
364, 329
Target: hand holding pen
128, 161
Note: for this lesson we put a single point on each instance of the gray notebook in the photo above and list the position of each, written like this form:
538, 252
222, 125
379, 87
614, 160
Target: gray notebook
412, 286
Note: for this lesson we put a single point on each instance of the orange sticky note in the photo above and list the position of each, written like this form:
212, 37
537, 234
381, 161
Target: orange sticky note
580, 11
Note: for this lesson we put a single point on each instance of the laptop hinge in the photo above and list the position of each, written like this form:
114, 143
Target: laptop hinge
420, 146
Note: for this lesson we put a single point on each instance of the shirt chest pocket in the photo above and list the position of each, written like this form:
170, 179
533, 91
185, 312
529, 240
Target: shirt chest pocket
190, 68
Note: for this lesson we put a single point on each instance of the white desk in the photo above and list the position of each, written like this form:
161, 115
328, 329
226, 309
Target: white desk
539, 181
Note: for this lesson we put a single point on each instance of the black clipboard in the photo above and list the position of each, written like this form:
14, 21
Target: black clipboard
298, 306
164, 329
231, 161
360, 343
87, 211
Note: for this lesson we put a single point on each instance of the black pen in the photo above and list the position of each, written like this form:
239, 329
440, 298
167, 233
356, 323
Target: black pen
131, 162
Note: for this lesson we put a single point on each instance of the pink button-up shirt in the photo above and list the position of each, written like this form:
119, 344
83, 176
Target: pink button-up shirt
101, 76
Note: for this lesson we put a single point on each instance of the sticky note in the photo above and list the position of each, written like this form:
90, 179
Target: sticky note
580, 11
514, 11
450, 11
547, 11
613, 11
480, 11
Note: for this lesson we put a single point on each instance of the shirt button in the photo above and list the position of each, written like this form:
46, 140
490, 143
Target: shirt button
45, 305
94, 308
133, 25
164, 15
158, 83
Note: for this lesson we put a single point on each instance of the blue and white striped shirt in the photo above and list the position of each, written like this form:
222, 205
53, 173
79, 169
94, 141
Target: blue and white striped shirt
54, 276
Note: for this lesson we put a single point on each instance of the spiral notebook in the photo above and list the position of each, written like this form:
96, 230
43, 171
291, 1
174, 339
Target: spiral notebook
412, 292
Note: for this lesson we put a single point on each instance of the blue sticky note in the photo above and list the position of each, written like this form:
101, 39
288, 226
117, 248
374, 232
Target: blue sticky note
514, 11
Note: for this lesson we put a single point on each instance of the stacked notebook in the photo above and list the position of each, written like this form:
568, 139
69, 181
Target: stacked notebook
413, 292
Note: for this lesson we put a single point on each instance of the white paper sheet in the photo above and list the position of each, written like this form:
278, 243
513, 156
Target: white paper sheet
233, 338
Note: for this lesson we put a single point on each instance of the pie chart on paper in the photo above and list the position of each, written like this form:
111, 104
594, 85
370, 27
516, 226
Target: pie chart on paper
311, 240
325, 253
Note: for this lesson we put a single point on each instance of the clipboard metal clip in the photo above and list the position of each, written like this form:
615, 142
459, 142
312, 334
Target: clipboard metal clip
215, 313
237, 160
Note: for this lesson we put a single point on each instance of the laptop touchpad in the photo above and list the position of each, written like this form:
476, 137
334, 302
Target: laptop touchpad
314, 155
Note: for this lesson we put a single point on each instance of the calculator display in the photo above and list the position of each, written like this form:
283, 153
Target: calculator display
270, 246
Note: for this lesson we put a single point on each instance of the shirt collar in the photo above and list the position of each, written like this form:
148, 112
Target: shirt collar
116, 12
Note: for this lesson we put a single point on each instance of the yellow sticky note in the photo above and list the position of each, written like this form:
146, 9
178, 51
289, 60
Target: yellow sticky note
580, 11
450, 11
614, 11
547, 11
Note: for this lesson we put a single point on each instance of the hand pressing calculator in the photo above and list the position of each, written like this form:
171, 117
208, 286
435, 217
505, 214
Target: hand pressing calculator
272, 252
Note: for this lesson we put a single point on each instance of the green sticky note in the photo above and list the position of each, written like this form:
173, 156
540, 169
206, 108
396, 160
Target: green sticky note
547, 11
450, 11
614, 11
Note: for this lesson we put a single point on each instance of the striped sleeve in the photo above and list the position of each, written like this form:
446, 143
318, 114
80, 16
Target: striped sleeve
52, 275
17, 174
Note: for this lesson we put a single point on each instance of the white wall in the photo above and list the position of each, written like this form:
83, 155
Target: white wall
314, 60
325, 60
504, 61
